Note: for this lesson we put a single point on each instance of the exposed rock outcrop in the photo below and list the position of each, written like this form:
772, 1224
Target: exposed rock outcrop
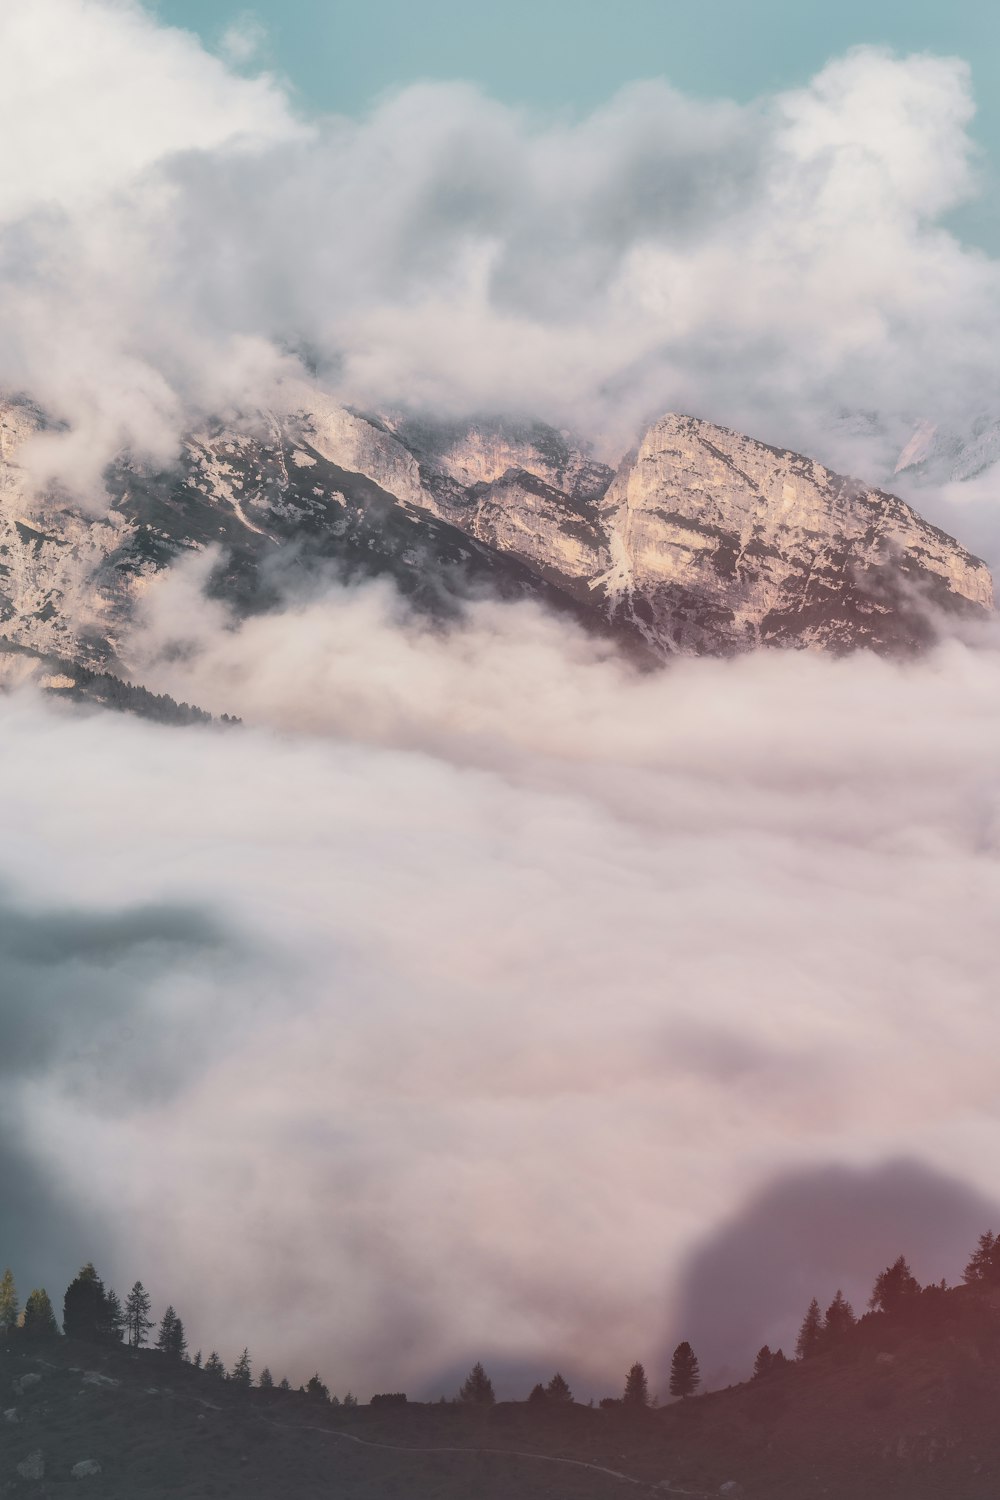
704, 540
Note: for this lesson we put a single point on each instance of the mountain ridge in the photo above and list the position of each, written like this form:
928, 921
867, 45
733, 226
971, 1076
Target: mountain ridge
702, 540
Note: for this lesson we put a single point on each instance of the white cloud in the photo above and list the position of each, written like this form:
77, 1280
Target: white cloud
562, 963
169, 228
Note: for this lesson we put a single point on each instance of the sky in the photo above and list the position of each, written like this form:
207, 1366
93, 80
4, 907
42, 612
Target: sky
571, 55
481, 999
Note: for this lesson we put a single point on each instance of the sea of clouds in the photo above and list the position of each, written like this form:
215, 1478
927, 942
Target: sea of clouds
480, 992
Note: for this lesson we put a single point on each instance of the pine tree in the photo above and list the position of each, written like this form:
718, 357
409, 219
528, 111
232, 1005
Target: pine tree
810, 1338
636, 1388
85, 1307
764, 1363
895, 1288
316, 1389
537, 1396
241, 1373
171, 1339
839, 1318
38, 1321
196, 1362
558, 1390
685, 1376
265, 1381
214, 1366
112, 1318
984, 1267
137, 1319
284, 1384
478, 1387
350, 1400
9, 1305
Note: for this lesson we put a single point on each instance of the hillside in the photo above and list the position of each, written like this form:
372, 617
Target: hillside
900, 1409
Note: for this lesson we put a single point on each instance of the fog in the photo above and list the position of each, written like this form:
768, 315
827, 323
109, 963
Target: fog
516, 973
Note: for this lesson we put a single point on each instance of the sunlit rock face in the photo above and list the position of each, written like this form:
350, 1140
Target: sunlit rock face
703, 541
723, 543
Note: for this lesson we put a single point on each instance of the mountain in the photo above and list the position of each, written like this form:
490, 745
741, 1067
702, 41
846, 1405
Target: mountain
702, 541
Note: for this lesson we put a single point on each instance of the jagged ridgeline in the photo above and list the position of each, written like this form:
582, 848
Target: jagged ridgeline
702, 540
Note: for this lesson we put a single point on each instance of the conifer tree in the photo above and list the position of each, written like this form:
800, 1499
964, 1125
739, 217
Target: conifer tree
85, 1314
764, 1363
112, 1318
137, 1319
196, 1362
895, 1288
537, 1395
171, 1339
214, 1366
839, 1318
636, 1387
9, 1305
478, 1387
810, 1338
558, 1389
984, 1267
241, 1373
284, 1384
685, 1376
38, 1321
316, 1388
350, 1400
265, 1380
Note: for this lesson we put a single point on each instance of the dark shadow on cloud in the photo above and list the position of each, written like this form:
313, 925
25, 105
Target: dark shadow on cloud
74, 991
74, 985
807, 1234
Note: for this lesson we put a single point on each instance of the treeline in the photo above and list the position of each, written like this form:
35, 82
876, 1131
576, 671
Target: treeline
94, 1313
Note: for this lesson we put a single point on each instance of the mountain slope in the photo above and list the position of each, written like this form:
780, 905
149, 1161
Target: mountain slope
703, 541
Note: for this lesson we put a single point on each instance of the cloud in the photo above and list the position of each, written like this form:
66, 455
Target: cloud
809, 1233
781, 266
567, 961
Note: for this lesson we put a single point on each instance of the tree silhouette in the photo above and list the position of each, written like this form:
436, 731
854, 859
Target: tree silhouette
85, 1307
685, 1376
9, 1305
171, 1340
558, 1390
265, 1380
241, 1373
537, 1396
38, 1320
810, 1339
636, 1388
113, 1318
284, 1384
839, 1318
764, 1363
984, 1267
895, 1288
214, 1366
316, 1389
478, 1387
137, 1319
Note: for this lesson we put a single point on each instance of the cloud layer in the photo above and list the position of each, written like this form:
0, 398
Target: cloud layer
173, 240
562, 962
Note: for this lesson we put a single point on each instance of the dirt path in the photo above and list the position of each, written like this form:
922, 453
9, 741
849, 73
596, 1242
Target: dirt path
543, 1458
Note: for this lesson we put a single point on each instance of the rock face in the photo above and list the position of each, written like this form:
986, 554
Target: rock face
703, 541
723, 542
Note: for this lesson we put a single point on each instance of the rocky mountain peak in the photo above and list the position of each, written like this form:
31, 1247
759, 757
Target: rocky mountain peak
704, 540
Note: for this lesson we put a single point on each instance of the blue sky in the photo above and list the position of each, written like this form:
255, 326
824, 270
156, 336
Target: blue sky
557, 54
